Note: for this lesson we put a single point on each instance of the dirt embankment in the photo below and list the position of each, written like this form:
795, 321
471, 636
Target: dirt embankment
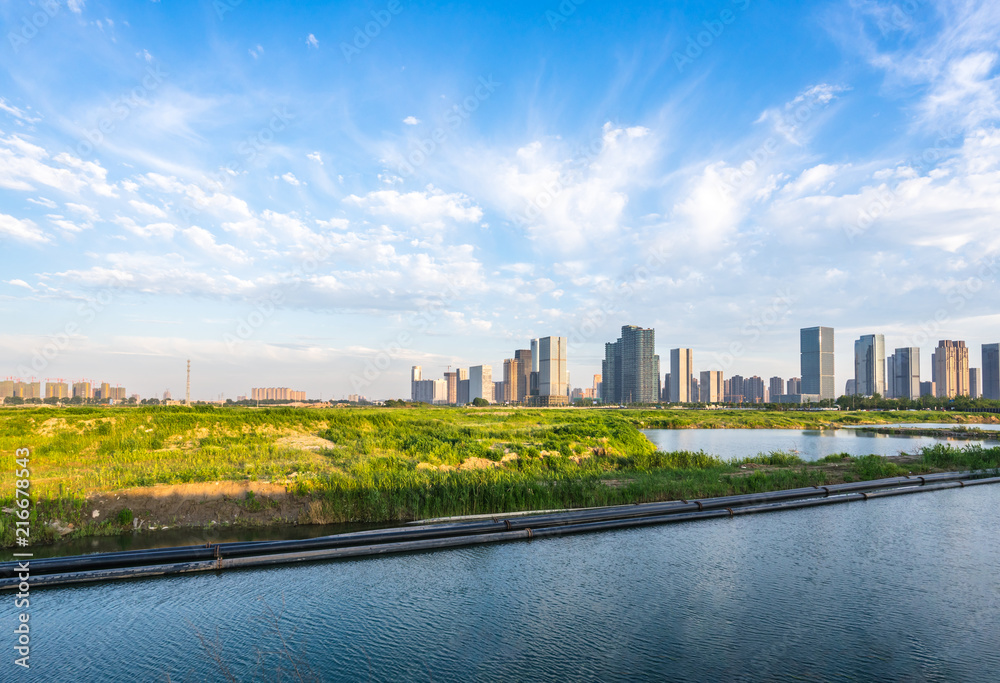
250, 503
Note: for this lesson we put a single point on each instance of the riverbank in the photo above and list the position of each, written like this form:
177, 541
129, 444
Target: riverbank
110, 471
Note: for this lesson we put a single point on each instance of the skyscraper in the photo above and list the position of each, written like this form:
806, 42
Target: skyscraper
481, 383
451, 378
905, 377
869, 365
816, 346
794, 386
523, 357
951, 368
775, 388
710, 387
631, 369
553, 376
511, 380
681, 369
975, 383
415, 376
991, 371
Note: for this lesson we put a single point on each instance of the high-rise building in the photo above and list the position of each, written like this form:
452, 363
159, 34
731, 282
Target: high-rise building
753, 389
928, 389
851, 389
630, 372
904, 379
711, 390
105, 391
58, 390
499, 392
415, 376
951, 368
775, 388
665, 393
533, 377
481, 383
816, 347
7, 388
451, 379
681, 370
82, 390
598, 386
511, 380
869, 365
793, 386
975, 383
523, 357
694, 389
463, 391
991, 371
553, 375
736, 391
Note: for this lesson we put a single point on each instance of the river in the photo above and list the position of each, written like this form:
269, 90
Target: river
808, 444
900, 588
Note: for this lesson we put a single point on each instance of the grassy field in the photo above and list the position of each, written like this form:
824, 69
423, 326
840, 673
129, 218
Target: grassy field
384, 465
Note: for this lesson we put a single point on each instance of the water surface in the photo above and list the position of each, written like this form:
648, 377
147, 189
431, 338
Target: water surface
902, 588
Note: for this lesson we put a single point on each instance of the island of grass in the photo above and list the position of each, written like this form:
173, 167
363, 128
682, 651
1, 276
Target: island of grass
99, 471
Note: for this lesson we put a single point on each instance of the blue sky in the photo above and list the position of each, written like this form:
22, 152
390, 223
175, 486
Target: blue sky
266, 190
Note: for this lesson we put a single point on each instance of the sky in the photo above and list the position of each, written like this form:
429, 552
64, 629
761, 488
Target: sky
320, 196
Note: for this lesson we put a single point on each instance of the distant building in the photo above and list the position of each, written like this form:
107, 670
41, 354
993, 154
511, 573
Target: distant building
991, 371
928, 389
463, 392
500, 392
950, 363
975, 383
904, 378
276, 394
511, 381
775, 388
553, 375
433, 391
598, 386
710, 387
57, 390
694, 390
793, 386
816, 347
83, 390
799, 398
753, 390
851, 389
869, 365
735, 389
681, 370
451, 379
665, 394
416, 374
523, 358
631, 369
481, 383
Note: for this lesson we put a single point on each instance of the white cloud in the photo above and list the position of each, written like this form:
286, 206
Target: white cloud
163, 231
20, 283
432, 207
291, 179
796, 119
411, 120
315, 156
256, 52
21, 230
206, 241
42, 201
23, 164
17, 112
147, 209
311, 41
76, 6
86, 211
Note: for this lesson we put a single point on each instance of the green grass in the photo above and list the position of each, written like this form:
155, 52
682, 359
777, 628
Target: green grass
385, 465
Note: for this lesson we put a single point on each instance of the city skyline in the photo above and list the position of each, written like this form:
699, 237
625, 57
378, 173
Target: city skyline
331, 235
